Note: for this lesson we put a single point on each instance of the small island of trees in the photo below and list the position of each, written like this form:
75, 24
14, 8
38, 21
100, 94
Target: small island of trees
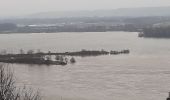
39, 57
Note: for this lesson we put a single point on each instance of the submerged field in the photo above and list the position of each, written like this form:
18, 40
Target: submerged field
143, 74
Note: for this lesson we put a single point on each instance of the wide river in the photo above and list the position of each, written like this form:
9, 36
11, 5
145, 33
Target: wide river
144, 74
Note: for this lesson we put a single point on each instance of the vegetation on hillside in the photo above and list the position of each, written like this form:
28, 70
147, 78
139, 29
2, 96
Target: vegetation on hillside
159, 32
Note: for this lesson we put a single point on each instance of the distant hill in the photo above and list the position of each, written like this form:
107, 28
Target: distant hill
128, 12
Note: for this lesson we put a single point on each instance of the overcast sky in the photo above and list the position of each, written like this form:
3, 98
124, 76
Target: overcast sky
20, 7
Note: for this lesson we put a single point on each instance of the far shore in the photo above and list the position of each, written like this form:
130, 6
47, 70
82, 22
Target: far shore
61, 32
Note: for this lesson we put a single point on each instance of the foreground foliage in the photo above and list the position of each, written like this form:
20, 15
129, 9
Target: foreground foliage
8, 89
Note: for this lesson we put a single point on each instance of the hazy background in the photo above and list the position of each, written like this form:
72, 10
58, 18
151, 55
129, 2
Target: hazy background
24, 7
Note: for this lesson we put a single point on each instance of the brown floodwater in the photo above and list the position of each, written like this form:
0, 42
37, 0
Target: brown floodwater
144, 74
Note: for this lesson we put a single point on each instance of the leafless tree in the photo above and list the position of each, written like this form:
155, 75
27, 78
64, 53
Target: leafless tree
9, 90
30, 51
22, 51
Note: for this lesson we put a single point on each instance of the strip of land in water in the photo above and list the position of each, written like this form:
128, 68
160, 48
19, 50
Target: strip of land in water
61, 59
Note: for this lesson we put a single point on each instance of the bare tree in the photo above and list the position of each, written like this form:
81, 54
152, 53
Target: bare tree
4, 52
39, 51
22, 51
8, 89
30, 51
